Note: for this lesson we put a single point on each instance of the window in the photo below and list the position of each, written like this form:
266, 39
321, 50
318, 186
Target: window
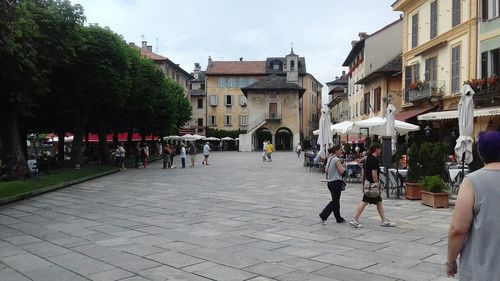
214, 100
221, 83
357, 108
228, 100
455, 69
200, 122
434, 18
366, 104
235, 83
212, 121
200, 103
491, 9
431, 69
228, 120
276, 66
377, 96
490, 63
414, 31
411, 74
456, 16
243, 101
243, 120
292, 65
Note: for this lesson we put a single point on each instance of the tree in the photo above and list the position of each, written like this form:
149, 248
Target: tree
33, 34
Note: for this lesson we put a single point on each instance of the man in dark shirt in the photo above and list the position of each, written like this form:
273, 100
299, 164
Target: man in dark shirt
371, 173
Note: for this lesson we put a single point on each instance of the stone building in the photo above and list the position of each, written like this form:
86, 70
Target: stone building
197, 97
274, 111
339, 103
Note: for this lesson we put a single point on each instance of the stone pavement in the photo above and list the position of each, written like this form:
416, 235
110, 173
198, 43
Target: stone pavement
238, 219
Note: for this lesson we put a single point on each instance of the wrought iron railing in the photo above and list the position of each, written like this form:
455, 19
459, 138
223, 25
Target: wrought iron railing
424, 90
273, 116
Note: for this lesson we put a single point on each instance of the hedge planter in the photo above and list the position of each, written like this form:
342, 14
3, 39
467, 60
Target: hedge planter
414, 191
435, 200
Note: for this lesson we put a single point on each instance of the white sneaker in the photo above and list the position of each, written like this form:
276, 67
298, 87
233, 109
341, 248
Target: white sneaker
356, 224
387, 223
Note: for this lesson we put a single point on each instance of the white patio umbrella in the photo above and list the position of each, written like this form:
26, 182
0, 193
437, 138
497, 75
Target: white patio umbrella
188, 137
325, 133
377, 126
198, 137
345, 128
227, 139
463, 148
211, 139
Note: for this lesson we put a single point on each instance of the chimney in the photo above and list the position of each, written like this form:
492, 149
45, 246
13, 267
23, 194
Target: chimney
363, 35
144, 44
150, 48
209, 60
131, 44
336, 77
354, 42
241, 59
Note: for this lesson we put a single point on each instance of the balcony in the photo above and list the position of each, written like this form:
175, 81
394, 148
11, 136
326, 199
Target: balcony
487, 91
273, 117
424, 90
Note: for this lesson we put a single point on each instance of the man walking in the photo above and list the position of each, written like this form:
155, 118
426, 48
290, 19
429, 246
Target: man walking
192, 153
183, 155
269, 151
298, 150
206, 153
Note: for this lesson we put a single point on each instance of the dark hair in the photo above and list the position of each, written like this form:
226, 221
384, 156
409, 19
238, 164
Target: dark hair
488, 146
334, 148
373, 148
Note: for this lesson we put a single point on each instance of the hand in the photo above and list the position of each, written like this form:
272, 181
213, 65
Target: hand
451, 268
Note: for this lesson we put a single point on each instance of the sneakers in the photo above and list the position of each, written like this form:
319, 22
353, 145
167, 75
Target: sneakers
356, 223
323, 222
387, 223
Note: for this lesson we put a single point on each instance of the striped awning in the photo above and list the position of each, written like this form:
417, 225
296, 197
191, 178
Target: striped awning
453, 114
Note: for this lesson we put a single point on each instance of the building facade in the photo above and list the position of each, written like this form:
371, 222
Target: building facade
338, 100
373, 67
439, 51
227, 107
197, 97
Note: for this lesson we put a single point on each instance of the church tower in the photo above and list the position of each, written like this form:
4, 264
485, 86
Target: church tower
292, 67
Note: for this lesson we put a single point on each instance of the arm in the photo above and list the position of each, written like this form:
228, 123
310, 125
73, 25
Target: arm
460, 224
340, 168
375, 176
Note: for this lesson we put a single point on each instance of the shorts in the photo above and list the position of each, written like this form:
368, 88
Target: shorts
193, 157
206, 155
373, 201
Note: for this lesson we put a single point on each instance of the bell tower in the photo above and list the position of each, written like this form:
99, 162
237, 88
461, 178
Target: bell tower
292, 67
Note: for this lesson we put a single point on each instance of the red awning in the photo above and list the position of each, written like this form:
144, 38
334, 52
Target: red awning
406, 115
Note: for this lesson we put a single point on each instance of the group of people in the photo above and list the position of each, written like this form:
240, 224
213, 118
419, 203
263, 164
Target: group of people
370, 187
169, 154
267, 151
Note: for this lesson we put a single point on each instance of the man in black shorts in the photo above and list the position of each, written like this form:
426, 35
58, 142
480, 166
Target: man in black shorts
371, 173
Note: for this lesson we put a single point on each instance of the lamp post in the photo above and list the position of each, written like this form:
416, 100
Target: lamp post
428, 131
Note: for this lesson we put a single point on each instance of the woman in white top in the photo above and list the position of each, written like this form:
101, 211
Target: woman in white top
334, 172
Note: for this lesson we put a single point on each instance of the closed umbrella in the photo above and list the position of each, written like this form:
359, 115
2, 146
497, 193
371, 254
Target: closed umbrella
391, 120
325, 135
463, 148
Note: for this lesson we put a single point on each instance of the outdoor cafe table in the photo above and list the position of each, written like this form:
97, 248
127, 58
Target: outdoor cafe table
353, 171
456, 178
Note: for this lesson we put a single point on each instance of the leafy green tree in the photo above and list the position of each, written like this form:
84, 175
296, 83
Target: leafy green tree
33, 34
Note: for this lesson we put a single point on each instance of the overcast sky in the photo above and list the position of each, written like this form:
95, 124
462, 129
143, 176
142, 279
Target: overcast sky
188, 31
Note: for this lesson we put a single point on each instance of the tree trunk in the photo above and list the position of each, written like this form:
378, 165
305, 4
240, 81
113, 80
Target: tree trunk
15, 160
60, 148
143, 136
24, 141
103, 154
87, 143
115, 138
76, 151
130, 133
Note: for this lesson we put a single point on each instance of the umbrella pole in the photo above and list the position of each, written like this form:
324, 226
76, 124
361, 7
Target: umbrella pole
463, 167
398, 190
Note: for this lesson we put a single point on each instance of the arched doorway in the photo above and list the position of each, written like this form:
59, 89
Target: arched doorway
261, 135
284, 139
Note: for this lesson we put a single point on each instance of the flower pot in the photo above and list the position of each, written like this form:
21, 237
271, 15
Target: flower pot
435, 200
414, 191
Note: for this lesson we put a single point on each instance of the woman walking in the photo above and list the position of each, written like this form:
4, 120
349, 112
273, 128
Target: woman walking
334, 172
371, 187
475, 224
183, 155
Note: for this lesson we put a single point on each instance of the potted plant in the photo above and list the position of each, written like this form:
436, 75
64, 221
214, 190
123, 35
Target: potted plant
413, 187
436, 193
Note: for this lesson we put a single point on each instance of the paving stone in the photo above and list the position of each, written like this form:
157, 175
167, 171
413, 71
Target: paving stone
80, 264
45, 249
346, 274
175, 259
12, 275
53, 272
303, 264
97, 251
130, 262
269, 269
111, 275
162, 272
7, 249
224, 273
22, 239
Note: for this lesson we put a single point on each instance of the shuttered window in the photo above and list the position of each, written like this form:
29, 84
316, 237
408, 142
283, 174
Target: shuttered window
455, 69
431, 69
434, 18
414, 31
456, 12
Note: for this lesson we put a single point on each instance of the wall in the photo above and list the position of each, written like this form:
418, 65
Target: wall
356, 92
311, 101
221, 109
489, 35
383, 47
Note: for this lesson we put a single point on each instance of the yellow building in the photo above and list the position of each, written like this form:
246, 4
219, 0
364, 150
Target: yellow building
227, 107
439, 51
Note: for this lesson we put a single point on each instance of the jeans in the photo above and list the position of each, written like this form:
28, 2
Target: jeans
335, 188
183, 162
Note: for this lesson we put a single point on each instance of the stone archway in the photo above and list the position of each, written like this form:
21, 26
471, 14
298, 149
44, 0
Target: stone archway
284, 139
261, 135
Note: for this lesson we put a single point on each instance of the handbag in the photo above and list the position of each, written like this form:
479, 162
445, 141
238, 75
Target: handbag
371, 190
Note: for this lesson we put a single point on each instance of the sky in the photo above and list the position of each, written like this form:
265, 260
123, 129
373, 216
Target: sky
188, 31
